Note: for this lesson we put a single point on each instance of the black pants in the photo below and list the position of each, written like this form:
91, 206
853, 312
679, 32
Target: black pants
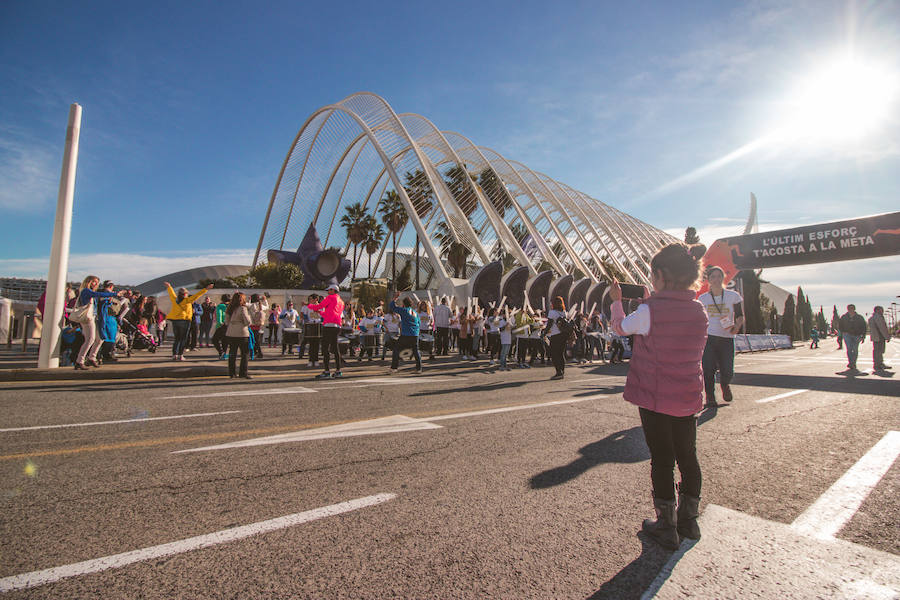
257, 342
219, 340
194, 333
330, 344
617, 351
273, 334
558, 352
235, 344
465, 346
717, 356
442, 341
205, 328
878, 354
522, 344
672, 439
494, 344
406, 341
313, 343
180, 329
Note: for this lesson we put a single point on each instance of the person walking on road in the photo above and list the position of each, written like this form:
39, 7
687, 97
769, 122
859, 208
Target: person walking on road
206, 321
238, 319
853, 330
332, 310
409, 332
726, 316
665, 381
558, 337
442, 327
814, 338
259, 312
880, 335
220, 338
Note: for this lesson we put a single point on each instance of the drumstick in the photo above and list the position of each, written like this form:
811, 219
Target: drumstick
469, 305
582, 306
502, 301
416, 297
430, 298
474, 302
593, 307
543, 304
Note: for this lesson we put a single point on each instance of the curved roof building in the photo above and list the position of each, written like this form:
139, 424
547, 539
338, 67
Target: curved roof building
457, 195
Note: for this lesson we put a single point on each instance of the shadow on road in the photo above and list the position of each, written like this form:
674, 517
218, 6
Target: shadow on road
626, 446
631, 581
872, 387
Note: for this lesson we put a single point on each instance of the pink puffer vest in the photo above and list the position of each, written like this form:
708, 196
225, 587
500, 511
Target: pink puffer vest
665, 374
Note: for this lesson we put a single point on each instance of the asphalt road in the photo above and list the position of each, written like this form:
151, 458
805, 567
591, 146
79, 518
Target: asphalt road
542, 499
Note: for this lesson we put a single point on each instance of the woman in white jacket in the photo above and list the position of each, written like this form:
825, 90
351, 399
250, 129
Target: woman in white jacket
238, 320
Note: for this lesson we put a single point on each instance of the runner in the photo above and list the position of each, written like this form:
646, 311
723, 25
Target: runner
726, 317
331, 309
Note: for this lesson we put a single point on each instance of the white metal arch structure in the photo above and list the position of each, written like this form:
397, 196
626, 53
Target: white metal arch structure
358, 149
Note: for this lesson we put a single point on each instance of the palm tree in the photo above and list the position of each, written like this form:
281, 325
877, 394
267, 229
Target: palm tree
418, 189
494, 190
456, 253
373, 241
354, 223
457, 179
394, 217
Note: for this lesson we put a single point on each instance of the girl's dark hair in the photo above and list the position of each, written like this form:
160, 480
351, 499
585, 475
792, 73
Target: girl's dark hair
254, 298
237, 300
559, 304
226, 298
679, 264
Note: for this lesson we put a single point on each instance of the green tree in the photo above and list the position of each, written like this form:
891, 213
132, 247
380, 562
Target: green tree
421, 194
821, 323
690, 236
274, 276
611, 269
835, 317
394, 217
804, 315
789, 318
494, 190
458, 181
753, 314
354, 222
456, 253
404, 280
373, 241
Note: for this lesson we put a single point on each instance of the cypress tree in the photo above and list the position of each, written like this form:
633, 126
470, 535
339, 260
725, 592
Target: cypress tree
789, 318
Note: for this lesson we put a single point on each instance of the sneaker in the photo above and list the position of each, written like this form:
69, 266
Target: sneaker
246, 376
393, 371
492, 363
526, 365
726, 393
324, 375
417, 371
225, 355
337, 375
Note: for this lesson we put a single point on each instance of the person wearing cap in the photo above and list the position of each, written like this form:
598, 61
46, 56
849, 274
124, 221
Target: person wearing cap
332, 310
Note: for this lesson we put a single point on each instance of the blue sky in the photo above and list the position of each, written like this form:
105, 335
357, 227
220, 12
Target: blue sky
189, 109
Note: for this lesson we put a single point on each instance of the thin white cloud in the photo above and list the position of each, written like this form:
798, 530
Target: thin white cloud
124, 268
29, 172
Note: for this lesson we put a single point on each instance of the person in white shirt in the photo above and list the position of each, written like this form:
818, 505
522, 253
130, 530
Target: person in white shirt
442, 327
392, 332
288, 319
477, 332
558, 339
726, 317
505, 326
369, 327
537, 341
426, 324
454, 329
493, 336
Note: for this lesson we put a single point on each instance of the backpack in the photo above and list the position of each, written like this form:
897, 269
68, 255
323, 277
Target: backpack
566, 327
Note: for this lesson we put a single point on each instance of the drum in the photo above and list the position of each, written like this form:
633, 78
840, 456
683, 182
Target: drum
370, 341
426, 343
312, 330
291, 336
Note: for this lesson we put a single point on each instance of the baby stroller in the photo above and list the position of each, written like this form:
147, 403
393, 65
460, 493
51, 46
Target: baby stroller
136, 339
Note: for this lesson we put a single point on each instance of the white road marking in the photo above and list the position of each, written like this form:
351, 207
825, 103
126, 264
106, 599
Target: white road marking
780, 396
36, 578
288, 390
387, 381
840, 502
392, 424
136, 420
491, 411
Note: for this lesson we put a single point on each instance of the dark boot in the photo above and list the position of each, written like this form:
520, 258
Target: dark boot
688, 510
662, 529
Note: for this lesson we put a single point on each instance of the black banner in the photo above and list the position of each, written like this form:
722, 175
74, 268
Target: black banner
853, 239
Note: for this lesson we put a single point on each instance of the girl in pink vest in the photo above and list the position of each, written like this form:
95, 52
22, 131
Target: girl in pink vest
665, 380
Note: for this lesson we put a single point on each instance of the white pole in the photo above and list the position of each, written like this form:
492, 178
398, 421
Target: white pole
48, 357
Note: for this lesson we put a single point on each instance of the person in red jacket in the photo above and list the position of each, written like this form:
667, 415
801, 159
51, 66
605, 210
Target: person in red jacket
665, 380
332, 310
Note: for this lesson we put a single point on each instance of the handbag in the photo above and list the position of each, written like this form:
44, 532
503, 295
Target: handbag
83, 313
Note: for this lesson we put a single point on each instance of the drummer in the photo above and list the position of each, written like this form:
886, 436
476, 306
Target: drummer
426, 325
391, 331
311, 317
288, 319
369, 327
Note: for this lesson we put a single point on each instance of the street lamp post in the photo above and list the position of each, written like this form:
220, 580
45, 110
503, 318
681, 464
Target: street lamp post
54, 304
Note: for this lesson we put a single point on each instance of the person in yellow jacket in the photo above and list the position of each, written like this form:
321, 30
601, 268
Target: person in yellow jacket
522, 331
180, 316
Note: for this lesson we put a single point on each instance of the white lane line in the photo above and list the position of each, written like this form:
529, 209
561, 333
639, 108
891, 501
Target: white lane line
289, 390
387, 381
394, 424
136, 420
491, 411
780, 396
840, 502
36, 578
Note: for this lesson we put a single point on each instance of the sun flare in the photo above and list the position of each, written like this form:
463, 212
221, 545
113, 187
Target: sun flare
843, 100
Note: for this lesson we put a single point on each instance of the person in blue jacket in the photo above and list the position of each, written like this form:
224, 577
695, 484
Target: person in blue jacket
87, 294
409, 332
108, 323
